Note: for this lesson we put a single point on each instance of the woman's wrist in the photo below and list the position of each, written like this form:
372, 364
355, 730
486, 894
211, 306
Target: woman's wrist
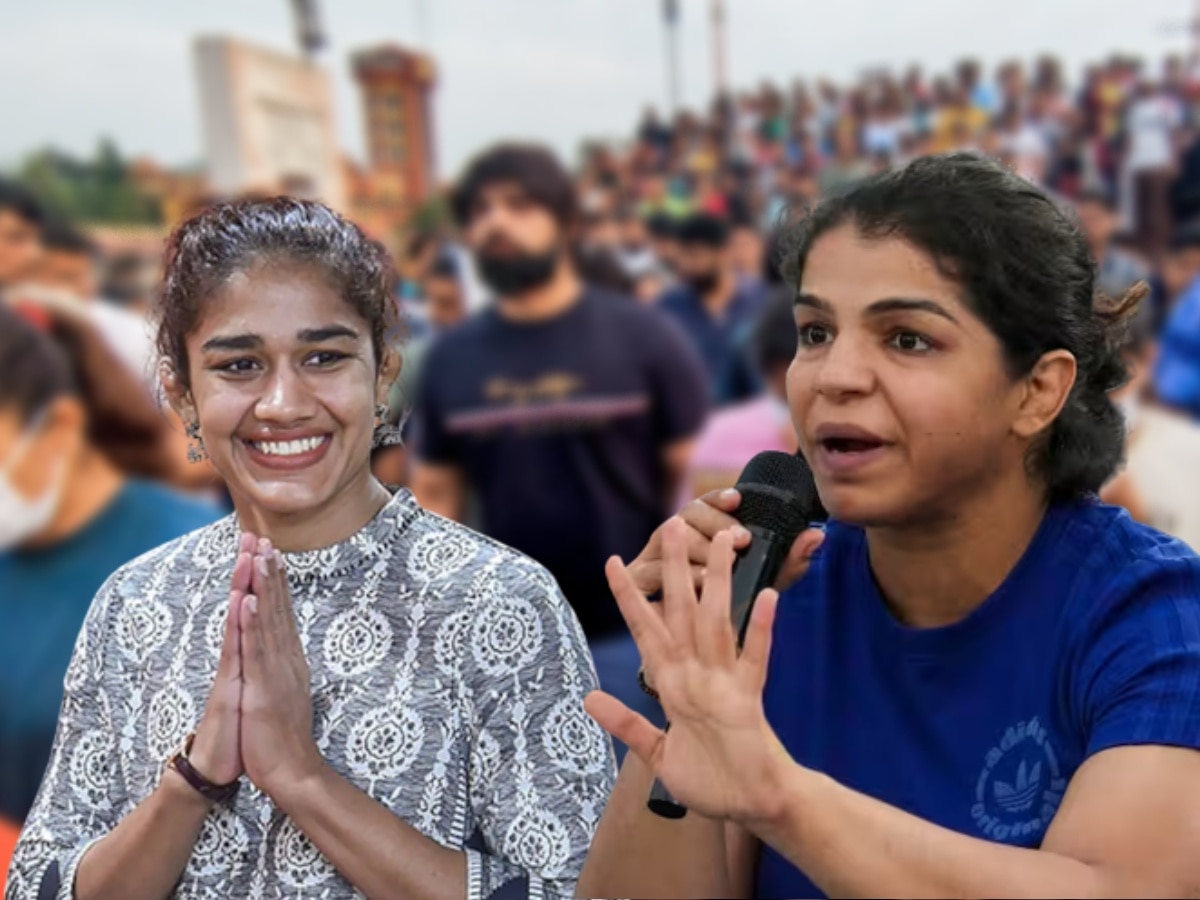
181, 795
292, 785
781, 789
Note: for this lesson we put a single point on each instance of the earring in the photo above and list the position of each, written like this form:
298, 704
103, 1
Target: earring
386, 434
195, 452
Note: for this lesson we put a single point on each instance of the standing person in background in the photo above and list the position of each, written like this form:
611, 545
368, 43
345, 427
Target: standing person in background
734, 434
21, 221
444, 306
1152, 124
62, 284
70, 266
1179, 272
714, 306
568, 413
1117, 270
746, 253
1160, 484
69, 518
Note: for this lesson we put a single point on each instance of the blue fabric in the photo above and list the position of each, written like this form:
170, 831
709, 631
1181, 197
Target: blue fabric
617, 662
1177, 369
44, 596
1093, 641
731, 376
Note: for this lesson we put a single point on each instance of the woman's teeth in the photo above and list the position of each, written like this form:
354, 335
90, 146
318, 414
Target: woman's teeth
288, 448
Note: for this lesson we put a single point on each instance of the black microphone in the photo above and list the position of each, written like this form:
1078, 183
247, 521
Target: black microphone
779, 500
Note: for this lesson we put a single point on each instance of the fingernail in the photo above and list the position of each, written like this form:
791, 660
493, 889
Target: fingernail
264, 547
740, 533
262, 566
252, 602
729, 494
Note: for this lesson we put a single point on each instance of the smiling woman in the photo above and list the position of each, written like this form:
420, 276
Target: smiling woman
303, 698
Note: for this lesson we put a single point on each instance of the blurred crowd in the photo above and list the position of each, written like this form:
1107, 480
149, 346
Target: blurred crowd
94, 469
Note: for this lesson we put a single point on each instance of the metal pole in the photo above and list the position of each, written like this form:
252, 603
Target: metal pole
720, 73
671, 21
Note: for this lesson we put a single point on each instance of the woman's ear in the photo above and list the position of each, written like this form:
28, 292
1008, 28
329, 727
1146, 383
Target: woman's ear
177, 395
389, 371
1047, 387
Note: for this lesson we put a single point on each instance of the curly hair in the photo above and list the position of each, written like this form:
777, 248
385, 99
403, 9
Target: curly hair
1025, 270
206, 251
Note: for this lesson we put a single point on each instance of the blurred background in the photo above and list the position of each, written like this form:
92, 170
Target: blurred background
693, 129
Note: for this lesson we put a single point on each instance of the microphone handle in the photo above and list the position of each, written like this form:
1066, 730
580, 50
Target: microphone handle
754, 570
661, 803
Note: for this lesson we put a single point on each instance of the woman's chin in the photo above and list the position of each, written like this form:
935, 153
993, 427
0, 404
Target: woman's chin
284, 498
859, 505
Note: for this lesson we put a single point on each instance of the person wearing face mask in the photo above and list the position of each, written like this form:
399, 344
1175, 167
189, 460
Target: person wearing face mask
69, 517
566, 412
713, 306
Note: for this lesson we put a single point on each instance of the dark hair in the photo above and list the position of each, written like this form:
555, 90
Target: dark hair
533, 168
68, 358
1025, 270
34, 370
1186, 235
597, 267
17, 198
661, 226
66, 238
121, 280
444, 267
1097, 195
205, 251
774, 336
704, 230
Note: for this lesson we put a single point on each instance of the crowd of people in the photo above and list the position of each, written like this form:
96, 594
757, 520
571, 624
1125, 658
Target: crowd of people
584, 352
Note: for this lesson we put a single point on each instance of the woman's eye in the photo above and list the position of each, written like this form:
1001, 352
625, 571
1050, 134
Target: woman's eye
910, 342
326, 358
238, 366
813, 334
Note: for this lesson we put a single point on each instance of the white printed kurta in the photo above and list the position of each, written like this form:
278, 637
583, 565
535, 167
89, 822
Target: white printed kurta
448, 676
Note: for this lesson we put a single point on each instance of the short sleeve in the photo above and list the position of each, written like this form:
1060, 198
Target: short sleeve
1140, 669
678, 379
80, 799
433, 441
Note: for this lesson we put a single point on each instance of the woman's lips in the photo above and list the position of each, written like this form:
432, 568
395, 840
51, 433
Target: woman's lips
288, 455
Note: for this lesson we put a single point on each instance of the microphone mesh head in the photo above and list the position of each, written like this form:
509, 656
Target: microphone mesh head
779, 494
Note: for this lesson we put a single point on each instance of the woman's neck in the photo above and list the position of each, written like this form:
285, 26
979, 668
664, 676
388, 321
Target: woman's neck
935, 575
338, 519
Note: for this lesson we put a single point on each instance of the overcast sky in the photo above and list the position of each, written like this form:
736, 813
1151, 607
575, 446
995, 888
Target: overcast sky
556, 70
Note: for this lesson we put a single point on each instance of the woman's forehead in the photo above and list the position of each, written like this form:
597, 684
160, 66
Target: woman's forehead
276, 301
848, 270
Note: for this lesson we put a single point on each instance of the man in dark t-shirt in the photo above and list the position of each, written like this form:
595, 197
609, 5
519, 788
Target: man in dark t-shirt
567, 412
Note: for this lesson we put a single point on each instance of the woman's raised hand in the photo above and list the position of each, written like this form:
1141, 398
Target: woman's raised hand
720, 756
277, 719
216, 752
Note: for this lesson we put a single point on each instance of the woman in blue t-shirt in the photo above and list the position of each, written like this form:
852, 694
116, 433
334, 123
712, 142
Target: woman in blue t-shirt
986, 683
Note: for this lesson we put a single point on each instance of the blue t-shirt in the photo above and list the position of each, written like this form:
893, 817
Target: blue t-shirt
718, 339
44, 596
1092, 642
